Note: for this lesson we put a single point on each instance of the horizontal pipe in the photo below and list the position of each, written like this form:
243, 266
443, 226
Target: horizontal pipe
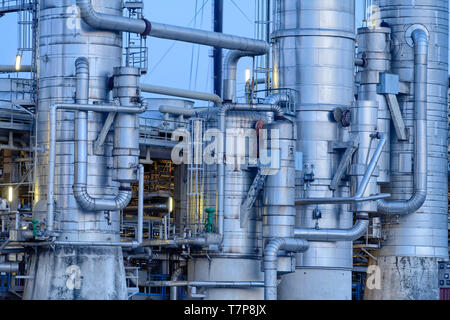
12, 69
331, 235
206, 284
210, 239
188, 94
419, 196
208, 38
177, 111
271, 261
9, 267
158, 30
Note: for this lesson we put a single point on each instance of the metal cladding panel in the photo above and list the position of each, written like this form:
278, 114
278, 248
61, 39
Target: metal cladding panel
406, 236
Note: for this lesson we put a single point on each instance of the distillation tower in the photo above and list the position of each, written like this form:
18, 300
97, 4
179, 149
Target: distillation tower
268, 196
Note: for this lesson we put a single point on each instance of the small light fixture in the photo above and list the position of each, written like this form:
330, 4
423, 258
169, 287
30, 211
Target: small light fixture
170, 204
248, 75
18, 62
10, 194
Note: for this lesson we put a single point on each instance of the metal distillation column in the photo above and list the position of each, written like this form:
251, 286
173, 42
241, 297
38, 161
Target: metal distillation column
415, 242
66, 271
314, 54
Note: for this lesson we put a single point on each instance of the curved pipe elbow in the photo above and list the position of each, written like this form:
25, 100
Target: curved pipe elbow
111, 22
420, 39
278, 98
91, 204
402, 207
287, 244
230, 73
327, 235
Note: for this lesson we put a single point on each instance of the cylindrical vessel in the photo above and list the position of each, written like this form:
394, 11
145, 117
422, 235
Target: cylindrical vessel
364, 124
239, 258
314, 54
279, 189
408, 259
66, 271
324, 79
374, 47
126, 126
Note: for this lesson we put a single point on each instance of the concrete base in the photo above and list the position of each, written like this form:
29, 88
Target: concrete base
402, 278
219, 269
316, 284
76, 273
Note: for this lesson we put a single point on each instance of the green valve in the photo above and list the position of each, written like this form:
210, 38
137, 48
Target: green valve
34, 222
209, 225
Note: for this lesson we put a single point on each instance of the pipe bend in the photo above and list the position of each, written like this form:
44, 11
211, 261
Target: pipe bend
112, 22
278, 98
327, 235
89, 203
416, 201
287, 244
230, 71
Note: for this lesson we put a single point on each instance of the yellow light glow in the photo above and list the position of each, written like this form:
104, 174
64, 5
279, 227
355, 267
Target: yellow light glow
18, 62
10, 194
170, 204
248, 75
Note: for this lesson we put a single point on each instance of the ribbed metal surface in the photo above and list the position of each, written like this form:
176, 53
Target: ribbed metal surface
374, 46
314, 54
424, 233
239, 257
60, 44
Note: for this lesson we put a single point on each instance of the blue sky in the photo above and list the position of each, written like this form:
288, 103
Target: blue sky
170, 64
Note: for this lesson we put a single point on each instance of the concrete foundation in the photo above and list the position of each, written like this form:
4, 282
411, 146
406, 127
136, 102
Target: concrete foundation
76, 273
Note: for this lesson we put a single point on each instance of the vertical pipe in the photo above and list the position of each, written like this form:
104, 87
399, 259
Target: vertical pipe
218, 27
140, 233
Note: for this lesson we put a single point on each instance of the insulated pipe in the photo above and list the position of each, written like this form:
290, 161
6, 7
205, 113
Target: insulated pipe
140, 231
177, 111
52, 145
174, 289
12, 69
144, 27
207, 284
209, 239
221, 154
277, 98
271, 262
419, 196
331, 235
209, 38
182, 93
111, 22
80, 191
230, 73
9, 267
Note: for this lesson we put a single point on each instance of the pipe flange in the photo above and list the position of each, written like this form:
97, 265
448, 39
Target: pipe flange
411, 29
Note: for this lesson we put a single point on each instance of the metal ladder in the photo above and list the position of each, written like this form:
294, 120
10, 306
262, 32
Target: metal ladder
135, 51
